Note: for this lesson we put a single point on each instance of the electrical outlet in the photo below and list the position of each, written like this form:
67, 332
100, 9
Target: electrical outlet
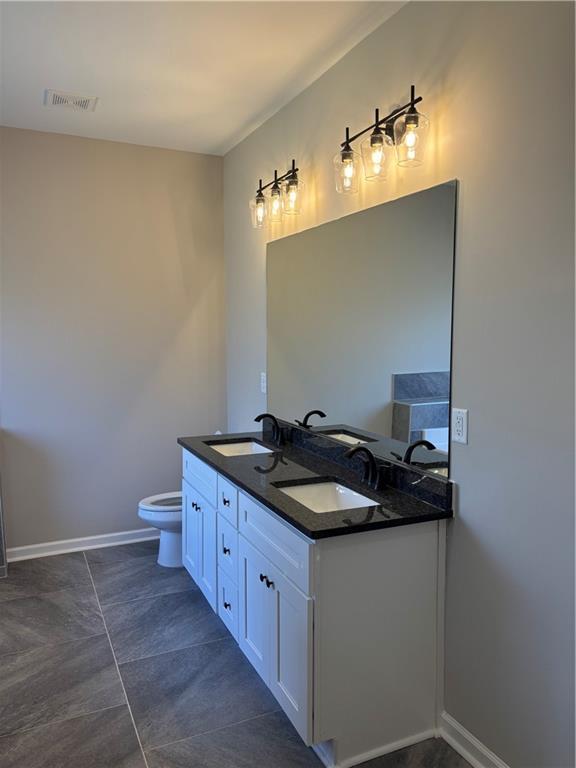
263, 382
460, 425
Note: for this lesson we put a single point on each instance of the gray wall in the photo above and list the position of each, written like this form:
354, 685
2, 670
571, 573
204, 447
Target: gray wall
354, 301
112, 331
486, 70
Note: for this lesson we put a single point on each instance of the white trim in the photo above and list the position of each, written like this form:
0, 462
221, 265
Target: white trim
467, 745
349, 762
440, 621
78, 545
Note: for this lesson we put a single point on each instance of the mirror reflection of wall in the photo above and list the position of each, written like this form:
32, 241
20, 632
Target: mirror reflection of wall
359, 322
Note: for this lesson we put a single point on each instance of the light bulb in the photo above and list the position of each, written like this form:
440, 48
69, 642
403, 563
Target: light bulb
346, 169
410, 137
260, 212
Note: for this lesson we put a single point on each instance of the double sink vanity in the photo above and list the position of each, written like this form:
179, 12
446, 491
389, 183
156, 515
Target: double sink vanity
321, 545
331, 586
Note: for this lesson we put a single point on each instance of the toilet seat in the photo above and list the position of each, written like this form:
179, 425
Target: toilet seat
162, 502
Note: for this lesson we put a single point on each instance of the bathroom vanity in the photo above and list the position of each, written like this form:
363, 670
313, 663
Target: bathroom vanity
338, 611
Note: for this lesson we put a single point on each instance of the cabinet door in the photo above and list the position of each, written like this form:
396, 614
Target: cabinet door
254, 627
190, 533
208, 560
291, 619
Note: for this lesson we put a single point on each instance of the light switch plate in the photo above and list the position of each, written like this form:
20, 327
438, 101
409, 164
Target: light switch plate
263, 382
460, 425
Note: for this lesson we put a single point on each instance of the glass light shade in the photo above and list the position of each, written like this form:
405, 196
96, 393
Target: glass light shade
292, 191
347, 167
410, 135
376, 150
258, 211
275, 204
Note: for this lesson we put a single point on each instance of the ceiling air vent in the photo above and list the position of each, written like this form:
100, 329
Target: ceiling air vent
63, 100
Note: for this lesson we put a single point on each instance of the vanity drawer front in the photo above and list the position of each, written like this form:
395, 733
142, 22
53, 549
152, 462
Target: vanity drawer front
228, 500
283, 547
200, 476
228, 603
228, 548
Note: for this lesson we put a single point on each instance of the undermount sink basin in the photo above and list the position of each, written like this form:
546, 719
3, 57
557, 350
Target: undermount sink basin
345, 437
240, 448
327, 496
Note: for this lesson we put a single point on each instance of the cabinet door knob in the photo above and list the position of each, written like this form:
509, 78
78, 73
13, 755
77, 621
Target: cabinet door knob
227, 605
226, 550
194, 506
269, 584
263, 578
225, 501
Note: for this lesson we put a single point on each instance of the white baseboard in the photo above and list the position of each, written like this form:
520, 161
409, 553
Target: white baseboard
77, 545
362, 758
467, 745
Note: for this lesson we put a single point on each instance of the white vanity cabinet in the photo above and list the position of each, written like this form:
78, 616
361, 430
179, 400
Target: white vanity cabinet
344, 630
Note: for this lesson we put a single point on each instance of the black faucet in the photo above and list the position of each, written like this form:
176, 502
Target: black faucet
371, 471
315, 412
410, 450
276, 429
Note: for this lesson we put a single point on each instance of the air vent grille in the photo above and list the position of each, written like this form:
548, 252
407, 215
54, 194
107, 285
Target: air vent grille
61, 100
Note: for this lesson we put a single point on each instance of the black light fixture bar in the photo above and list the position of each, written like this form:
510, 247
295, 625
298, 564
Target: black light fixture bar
385, 120
293, 170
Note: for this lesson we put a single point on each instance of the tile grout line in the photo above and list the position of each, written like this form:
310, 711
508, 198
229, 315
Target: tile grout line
59, 721
151, 597
116, 664
215, 730
175, 650
23, 651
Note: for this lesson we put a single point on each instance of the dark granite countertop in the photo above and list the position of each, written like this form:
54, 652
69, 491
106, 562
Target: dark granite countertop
257, 474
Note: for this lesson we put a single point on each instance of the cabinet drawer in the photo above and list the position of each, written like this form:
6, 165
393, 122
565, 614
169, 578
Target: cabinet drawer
228, 500
228, 602
200, 476
228, 548
285, 549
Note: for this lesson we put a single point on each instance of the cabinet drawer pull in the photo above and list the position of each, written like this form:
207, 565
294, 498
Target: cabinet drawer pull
225, 501
227, 605
226, 550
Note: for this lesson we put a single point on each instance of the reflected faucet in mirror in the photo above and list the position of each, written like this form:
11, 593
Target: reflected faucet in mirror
371, 474
407, 458
276, 429
315, 412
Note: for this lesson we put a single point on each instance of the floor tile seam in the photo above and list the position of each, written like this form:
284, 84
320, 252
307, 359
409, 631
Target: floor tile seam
53, 645
117, 668
173, 650
149, 597
177, 650
76, 588
60, 720
214, 730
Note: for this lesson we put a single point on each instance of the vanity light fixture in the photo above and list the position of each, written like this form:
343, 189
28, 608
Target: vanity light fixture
404, 128
283, 196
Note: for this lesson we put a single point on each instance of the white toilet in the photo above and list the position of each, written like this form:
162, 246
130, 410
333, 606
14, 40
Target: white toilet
164, 511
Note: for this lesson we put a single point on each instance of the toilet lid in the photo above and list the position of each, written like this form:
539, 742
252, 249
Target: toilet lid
162, 502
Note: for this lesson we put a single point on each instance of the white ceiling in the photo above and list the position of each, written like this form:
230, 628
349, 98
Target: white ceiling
197, 76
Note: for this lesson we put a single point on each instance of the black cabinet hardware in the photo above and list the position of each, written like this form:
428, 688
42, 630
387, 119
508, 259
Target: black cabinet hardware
226, 550
225, 501
227, 605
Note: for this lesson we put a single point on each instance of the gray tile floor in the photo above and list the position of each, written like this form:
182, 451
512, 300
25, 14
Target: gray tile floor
108, 660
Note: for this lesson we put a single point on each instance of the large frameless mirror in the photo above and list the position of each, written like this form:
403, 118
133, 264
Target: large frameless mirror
360, 326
